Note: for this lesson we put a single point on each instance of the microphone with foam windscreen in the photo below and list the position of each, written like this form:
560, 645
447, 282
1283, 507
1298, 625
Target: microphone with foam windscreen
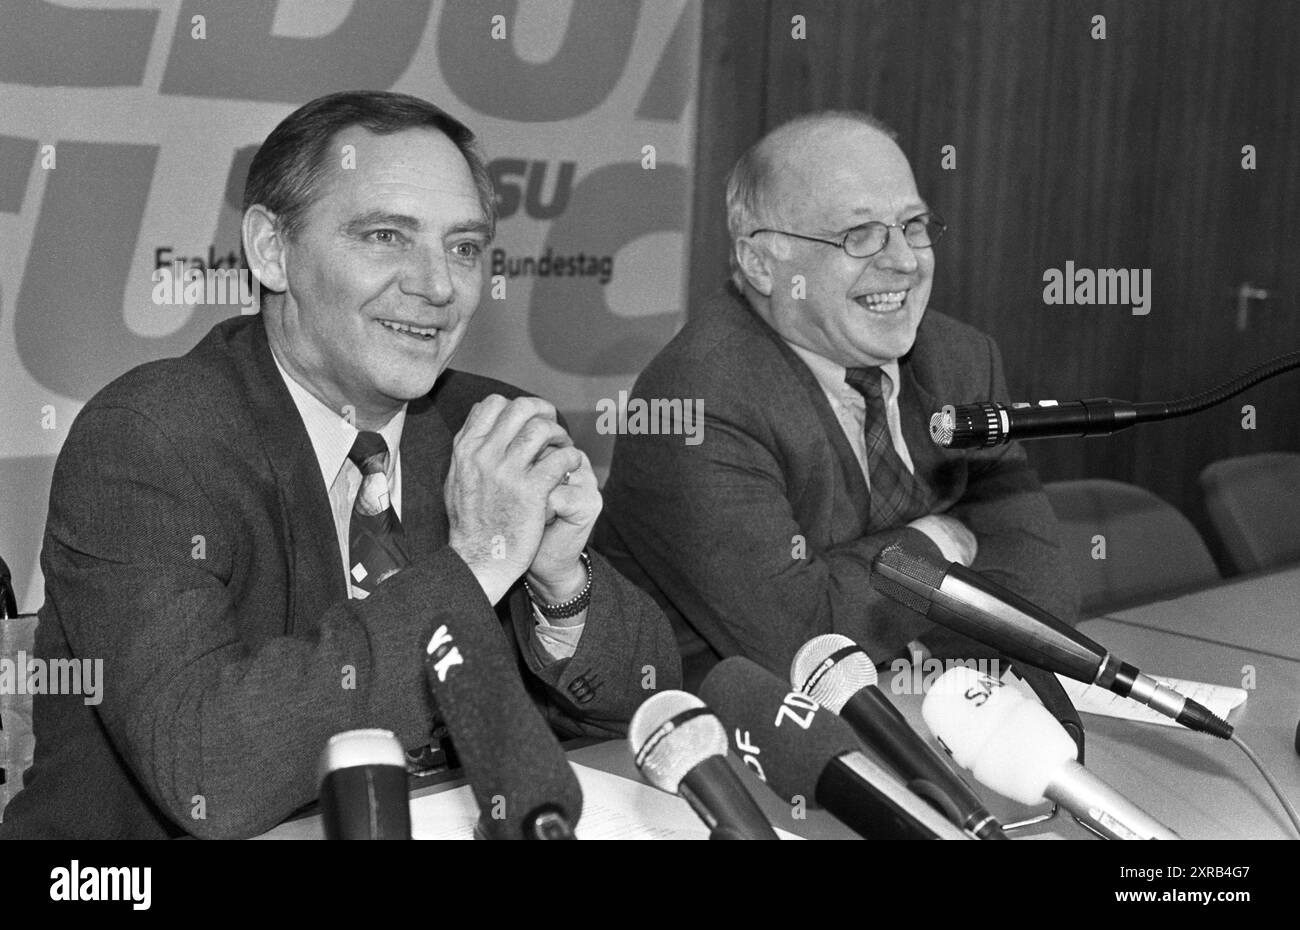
964, 600
839, 675
1015, 747
363, 787
524, 785
801, 750
680, 747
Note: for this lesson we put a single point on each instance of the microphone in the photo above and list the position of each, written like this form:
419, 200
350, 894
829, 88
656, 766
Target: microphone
1015, 747
363, 787
802, 751
989, 423
524, 785
840, 676
680, 747
964, 600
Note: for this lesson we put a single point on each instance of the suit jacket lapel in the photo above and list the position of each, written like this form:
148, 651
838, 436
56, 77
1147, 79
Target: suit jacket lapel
315, 563
915, 405
850, 470
426, 456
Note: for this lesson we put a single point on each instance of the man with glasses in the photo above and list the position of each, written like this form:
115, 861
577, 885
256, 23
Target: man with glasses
818, 368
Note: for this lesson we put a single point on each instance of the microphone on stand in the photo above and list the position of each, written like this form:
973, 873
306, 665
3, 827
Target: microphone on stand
964, 600
991, 423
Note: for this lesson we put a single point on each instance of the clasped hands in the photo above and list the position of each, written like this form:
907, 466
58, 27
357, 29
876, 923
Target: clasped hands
520, 497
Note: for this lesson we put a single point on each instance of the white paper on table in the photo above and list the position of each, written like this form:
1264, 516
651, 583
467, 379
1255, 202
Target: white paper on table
613, 808
1091, 699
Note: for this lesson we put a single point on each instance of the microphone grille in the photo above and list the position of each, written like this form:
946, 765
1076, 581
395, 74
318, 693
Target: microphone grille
831, 669
894, 559
353, 748
670, 734
941, 427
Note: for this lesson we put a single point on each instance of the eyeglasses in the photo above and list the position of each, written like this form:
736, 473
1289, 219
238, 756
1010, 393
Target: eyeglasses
920, 232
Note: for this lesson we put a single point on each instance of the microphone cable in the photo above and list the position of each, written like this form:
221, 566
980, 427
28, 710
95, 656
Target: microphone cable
1272, 783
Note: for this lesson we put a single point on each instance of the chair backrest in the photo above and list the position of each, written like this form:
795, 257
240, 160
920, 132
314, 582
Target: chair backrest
1254, 505
17, 638
1126, 545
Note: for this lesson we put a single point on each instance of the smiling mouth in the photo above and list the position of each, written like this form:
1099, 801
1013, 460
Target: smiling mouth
425, 333
883, 301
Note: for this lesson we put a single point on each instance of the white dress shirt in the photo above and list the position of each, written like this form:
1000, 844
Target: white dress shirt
850, 409
331, 438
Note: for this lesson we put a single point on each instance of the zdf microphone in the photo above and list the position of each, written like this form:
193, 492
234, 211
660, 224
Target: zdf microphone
802, 750
1015, 747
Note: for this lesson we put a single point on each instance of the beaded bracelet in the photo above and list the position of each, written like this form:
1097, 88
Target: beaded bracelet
570, 608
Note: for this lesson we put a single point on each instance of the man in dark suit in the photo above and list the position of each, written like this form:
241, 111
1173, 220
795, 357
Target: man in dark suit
258, 538
817, 370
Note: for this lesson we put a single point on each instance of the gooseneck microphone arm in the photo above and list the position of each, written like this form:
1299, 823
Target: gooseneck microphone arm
988, 423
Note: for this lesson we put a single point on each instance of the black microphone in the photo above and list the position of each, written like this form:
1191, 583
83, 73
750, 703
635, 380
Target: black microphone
837, 673
964, 600
803, 751
363, 787
989, 423
524, 785
680, 747
1014, 746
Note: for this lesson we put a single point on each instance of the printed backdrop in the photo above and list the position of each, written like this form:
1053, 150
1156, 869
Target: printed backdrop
126, 129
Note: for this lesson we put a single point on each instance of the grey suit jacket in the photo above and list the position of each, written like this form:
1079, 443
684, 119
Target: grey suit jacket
756, 539
190, 546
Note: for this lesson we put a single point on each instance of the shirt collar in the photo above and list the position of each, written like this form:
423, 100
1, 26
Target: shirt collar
331, 435
830, 375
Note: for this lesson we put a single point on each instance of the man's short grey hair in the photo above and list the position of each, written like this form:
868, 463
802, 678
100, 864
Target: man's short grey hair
749, 186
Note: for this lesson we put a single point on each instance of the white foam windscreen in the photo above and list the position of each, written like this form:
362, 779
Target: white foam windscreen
1008, 742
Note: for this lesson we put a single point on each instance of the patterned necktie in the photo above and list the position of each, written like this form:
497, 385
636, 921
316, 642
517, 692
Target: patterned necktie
897, 497
376, 548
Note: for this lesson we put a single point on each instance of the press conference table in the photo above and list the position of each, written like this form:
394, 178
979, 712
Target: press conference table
1201, 787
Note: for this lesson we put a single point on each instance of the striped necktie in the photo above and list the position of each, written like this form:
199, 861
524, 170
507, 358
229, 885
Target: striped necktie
897, 497
376, 548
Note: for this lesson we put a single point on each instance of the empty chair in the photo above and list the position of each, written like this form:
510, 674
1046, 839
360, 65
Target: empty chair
1126, 545
1254, 505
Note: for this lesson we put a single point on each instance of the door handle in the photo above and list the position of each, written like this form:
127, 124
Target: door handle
1246, 292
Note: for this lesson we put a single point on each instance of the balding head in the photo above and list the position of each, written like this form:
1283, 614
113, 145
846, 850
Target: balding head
816, 178
775, 169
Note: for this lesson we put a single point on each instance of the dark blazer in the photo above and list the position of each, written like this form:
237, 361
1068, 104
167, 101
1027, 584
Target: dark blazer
190, 545
756, 539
